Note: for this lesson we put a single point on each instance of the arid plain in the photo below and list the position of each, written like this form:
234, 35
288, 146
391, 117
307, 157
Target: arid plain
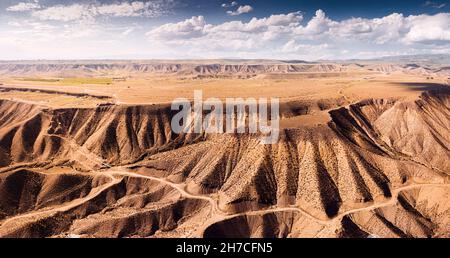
86, 150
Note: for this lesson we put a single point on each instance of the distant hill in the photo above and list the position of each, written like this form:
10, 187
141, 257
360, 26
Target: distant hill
438, 59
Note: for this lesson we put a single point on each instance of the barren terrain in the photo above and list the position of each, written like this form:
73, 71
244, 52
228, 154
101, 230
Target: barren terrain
86, 150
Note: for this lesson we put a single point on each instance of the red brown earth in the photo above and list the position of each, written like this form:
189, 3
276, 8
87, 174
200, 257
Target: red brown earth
360, 166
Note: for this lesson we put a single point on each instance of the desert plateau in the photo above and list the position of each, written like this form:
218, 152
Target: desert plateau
87, 150
225, 127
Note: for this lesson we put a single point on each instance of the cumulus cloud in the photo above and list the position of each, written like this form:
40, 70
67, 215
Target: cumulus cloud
197, 27
241, 10
190, 28
428, 29
318, 25
288, 34
390, 28
24, 6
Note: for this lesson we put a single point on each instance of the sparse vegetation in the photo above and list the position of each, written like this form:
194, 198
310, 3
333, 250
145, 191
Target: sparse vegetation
39, 80
338, 169
76, 81
86, 81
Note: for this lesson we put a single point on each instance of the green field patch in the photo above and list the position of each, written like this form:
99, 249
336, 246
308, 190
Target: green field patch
72, 81
86, 81
39, 80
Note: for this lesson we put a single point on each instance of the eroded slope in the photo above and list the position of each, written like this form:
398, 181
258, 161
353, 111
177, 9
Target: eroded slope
119, 171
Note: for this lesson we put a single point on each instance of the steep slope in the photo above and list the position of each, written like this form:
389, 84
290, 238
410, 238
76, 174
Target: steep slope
326, 170
107, 134
422, 212
34, 204
133, 171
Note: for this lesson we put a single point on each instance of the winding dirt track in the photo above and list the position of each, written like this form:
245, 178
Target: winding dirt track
220, 215
52, 210
177, 187
117, 173
183, 192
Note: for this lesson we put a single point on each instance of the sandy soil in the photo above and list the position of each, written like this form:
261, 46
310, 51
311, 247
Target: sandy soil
362, 153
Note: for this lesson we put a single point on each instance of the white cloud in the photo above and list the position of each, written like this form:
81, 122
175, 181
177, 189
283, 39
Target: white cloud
24, 6
197, 27
282, 36
319, 24
126, 9
429, 29
390, 28
190, 28
77, 11
293, 47
232, 4
241, 10
64, 13
288, 36
393, 28
18, 39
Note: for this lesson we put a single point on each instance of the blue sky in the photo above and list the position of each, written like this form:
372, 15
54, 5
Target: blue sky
183, 29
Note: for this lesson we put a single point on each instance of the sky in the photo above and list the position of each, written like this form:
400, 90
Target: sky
208, 29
